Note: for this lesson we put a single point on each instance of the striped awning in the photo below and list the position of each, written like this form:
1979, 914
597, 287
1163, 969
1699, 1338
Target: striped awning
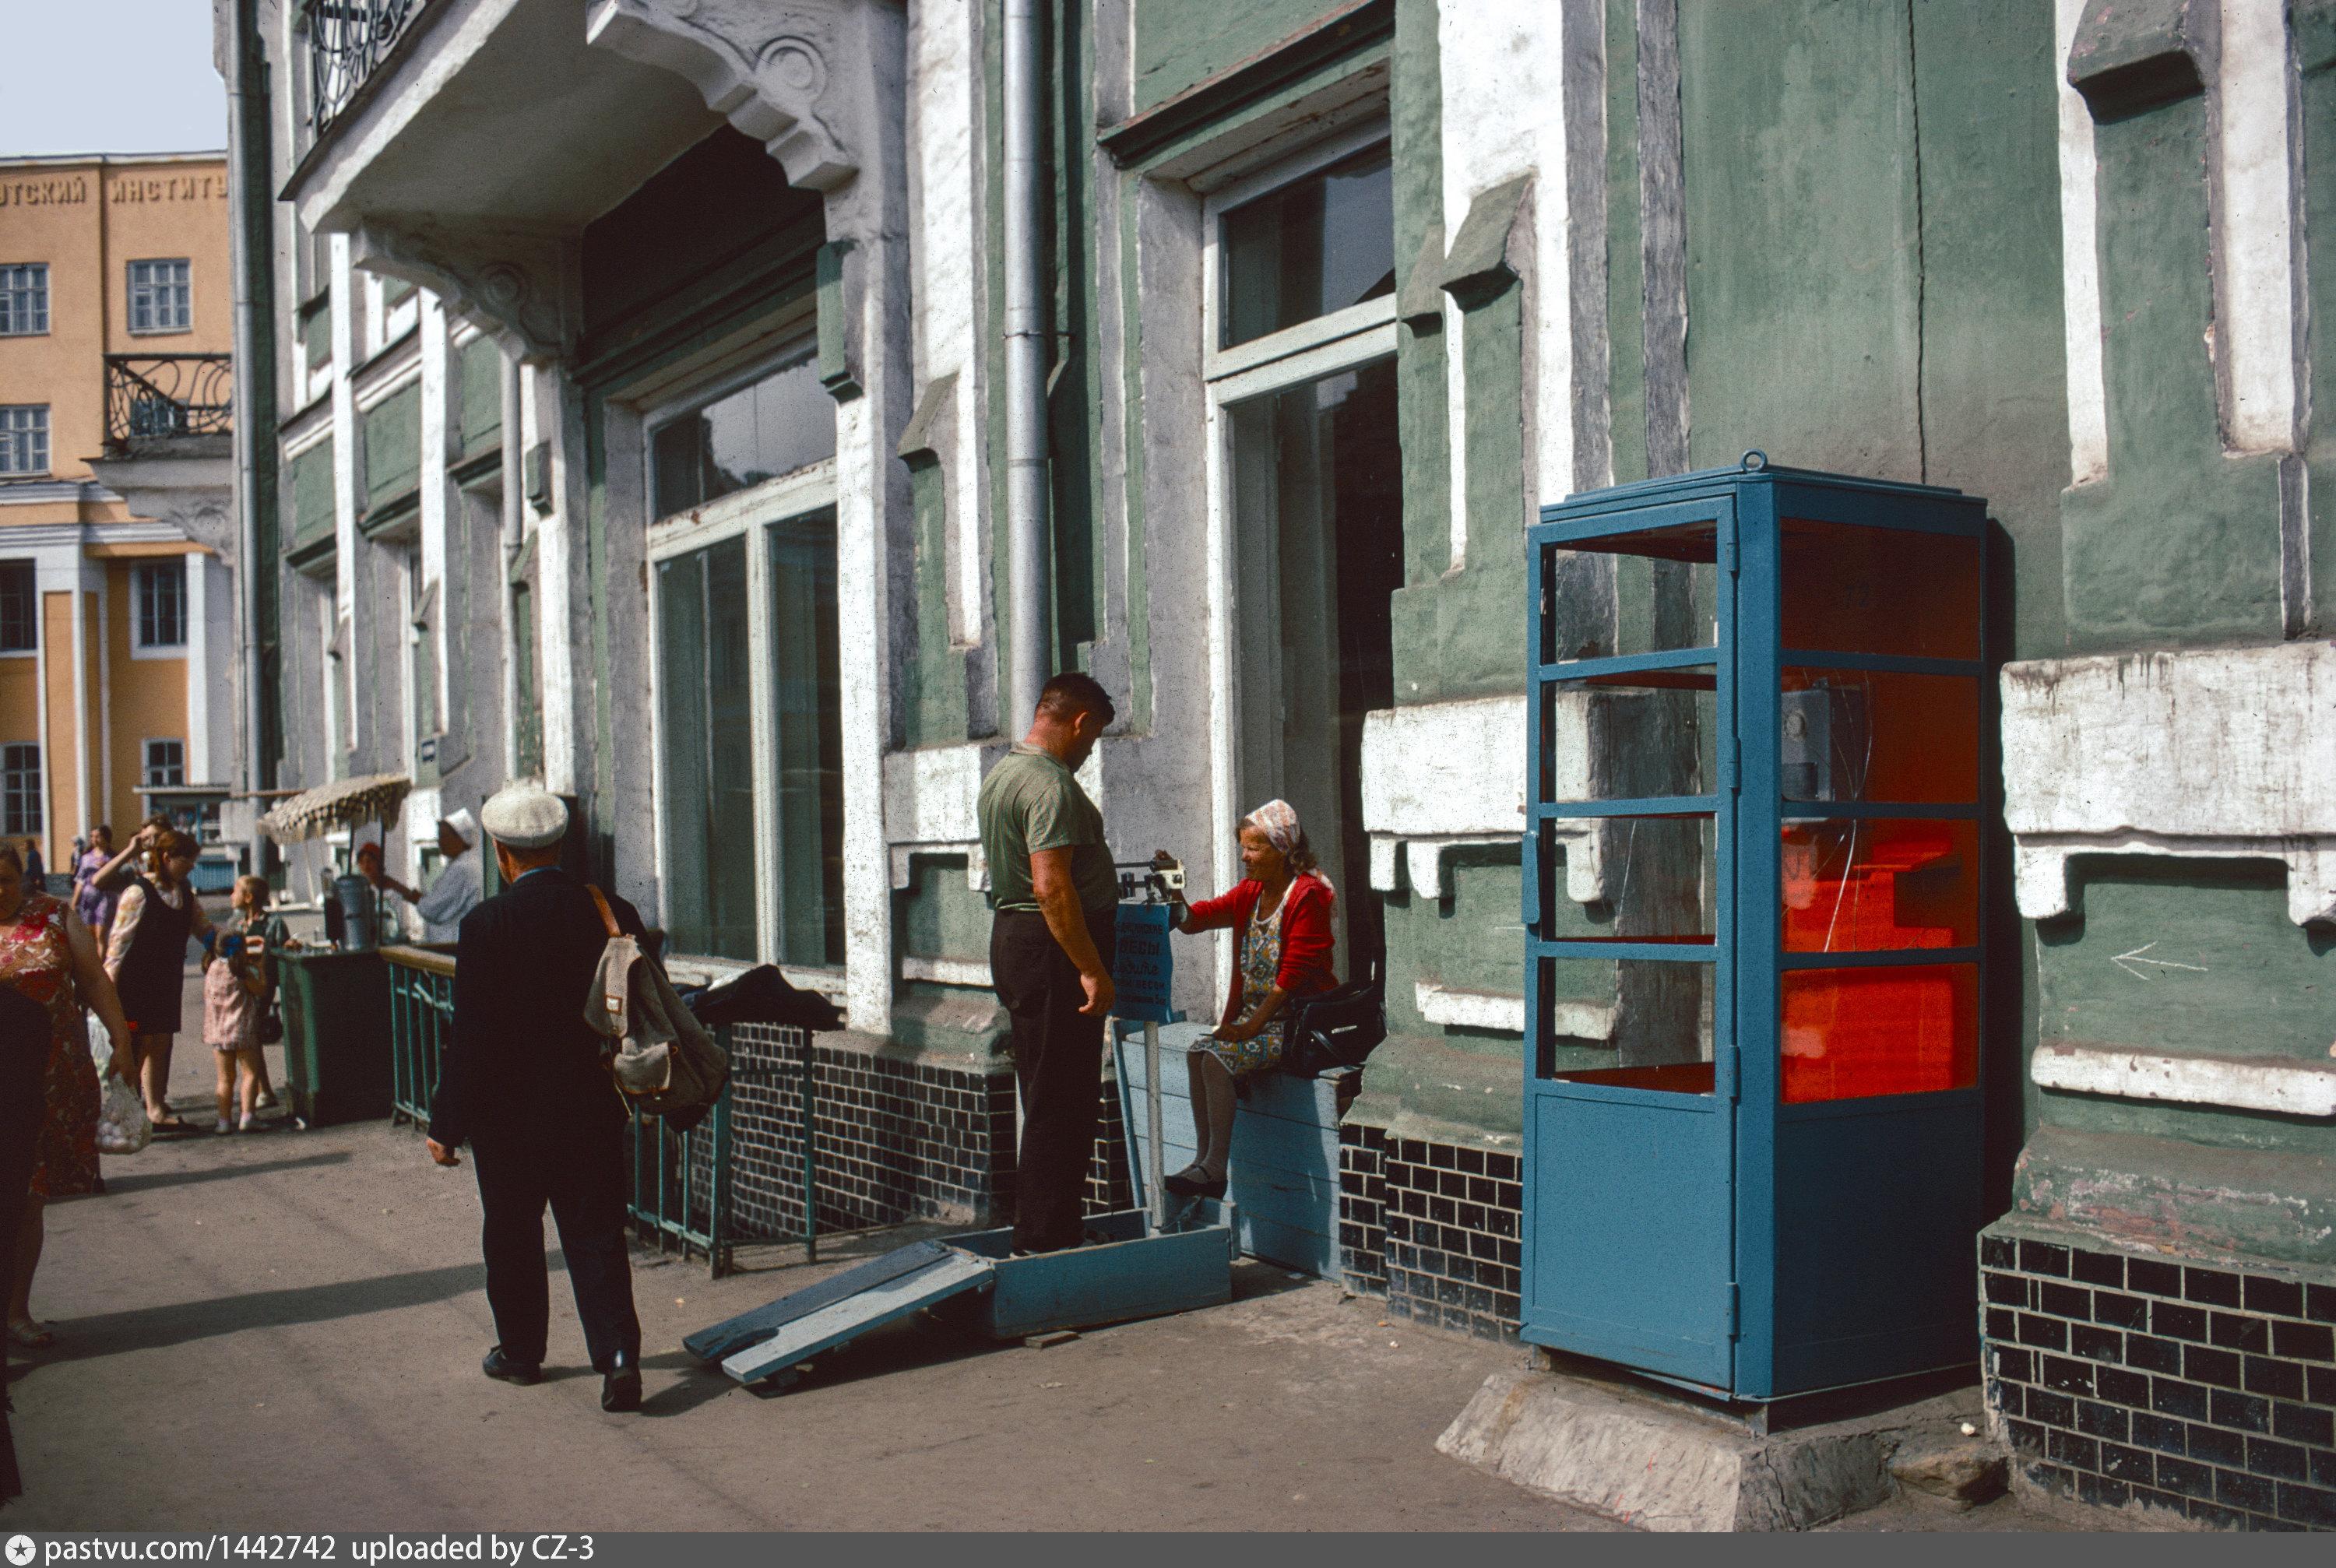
348, 802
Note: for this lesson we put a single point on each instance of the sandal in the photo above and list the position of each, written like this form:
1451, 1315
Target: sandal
1194, 1182
167, 1124
32, 1336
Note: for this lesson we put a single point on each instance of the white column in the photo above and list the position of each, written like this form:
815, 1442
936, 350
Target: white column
437, 441
2080, 267
346, 477
198, 666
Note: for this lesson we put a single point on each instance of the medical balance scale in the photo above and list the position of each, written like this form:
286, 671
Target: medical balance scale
1168, 1256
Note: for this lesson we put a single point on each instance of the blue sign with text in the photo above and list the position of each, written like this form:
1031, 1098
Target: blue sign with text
1142, 969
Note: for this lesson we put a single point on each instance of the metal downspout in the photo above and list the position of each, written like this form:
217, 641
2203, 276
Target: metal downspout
1029, 654
248, 372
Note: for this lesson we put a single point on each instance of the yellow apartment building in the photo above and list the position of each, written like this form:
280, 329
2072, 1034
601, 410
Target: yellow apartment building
117, 613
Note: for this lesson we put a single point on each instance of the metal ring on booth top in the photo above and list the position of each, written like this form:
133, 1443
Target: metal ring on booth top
1754, 460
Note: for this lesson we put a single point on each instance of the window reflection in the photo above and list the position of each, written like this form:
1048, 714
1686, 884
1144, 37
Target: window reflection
784, 422
1849, 1034
1631, 1022
1883, 590
1868, 884
1310, 247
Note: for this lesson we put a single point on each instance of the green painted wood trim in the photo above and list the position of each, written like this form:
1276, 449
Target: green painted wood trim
313, 556
1335, 35
916, 447
1480, 264
477, 470
388, 516
2129, 56
836, 372
1419, 300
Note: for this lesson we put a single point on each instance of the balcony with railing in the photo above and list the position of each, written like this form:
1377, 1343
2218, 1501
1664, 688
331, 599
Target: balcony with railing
347, 42
166, 404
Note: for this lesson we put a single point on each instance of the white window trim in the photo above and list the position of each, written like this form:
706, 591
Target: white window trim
1345, 339
48, 315
129, 297
146, 760
160, 650
49, 434
750, 514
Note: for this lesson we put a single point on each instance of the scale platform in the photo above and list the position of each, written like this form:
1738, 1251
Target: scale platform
1142, 1272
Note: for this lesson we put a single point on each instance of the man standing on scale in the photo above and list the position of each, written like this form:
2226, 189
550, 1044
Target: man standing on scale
1056, 897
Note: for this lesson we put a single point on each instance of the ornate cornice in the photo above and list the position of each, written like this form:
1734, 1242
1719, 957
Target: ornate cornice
520, 281
789, 75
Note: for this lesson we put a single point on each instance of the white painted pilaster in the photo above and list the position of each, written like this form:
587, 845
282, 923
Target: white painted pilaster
2081, 266
2257, 231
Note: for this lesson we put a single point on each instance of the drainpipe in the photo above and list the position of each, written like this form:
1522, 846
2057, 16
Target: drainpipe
1029, 660
255, 410
513, 538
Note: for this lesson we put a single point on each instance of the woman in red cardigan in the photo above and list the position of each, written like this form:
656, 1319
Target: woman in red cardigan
1281, 913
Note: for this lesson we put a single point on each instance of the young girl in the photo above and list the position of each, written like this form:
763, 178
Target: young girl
235, 990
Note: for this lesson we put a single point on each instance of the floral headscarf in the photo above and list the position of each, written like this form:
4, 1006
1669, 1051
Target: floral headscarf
1278, 821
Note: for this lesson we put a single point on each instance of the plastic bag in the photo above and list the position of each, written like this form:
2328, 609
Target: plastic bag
122, 1124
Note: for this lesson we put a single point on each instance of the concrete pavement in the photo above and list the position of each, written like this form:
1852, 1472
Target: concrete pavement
281, 1331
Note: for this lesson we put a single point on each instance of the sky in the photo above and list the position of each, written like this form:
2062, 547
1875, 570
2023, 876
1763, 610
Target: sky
110, 76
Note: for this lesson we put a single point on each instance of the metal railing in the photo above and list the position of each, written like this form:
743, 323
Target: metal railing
420, 1022
153, 397
681, 1183
347, 39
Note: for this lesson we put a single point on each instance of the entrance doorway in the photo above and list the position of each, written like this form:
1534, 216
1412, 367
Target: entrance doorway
1317, 505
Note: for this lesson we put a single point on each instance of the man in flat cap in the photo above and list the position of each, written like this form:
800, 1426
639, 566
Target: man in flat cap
521, 1082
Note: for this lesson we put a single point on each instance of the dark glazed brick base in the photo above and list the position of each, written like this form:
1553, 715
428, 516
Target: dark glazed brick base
896, 1140
2206, 1391
1434, 1228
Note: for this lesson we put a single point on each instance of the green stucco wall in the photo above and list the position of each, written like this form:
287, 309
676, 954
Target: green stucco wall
1179, 43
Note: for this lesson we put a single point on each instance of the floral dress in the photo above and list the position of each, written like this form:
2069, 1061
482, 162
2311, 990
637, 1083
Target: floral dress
36, 959
1260, 970
232, 1010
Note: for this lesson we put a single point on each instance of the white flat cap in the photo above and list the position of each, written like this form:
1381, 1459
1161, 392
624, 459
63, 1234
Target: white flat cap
465, 826
526, 816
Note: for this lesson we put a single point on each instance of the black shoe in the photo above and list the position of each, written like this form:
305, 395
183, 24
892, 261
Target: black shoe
504, 1368
1194, 1182
621, 1386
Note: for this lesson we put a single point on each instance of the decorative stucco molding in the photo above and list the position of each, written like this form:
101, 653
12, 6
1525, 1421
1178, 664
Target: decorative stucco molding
2203, 752
522, 282
930, 796
1442, 776
1444, 1006
2276, 1083
786, 75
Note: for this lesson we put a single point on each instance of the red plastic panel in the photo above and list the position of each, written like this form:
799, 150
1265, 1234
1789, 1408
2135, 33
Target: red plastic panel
1878, 884
1851, 589
1850, 1034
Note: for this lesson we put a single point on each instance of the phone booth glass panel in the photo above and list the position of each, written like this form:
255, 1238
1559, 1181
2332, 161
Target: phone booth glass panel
1762, 729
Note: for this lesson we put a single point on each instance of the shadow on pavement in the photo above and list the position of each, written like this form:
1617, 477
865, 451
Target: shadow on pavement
147, 1184
159, 1327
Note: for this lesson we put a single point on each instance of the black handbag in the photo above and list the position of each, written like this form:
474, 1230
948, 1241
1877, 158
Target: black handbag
1337, 1027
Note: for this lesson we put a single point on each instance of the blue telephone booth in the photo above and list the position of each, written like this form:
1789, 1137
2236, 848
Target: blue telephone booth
1761, 746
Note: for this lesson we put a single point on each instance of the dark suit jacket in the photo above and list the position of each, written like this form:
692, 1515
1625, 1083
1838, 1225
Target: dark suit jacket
524, 1068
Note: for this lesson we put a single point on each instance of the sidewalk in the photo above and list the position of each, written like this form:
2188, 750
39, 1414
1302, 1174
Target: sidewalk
281, 1331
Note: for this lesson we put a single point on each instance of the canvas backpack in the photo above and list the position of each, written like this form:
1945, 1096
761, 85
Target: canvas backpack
663, 1062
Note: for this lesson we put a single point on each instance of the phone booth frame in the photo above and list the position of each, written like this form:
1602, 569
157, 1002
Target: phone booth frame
1764, 1179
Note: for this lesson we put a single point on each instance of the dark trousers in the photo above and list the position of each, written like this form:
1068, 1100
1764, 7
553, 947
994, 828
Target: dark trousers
584, 1184
1058, 1063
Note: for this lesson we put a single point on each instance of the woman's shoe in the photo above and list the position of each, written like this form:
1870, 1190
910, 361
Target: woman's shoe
1194, 1182
223, 1125
32, 1336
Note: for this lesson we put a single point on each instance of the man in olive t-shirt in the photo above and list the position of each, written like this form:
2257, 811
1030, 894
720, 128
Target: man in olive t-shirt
1054, 895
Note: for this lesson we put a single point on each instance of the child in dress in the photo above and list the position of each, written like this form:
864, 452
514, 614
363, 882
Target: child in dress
235, 990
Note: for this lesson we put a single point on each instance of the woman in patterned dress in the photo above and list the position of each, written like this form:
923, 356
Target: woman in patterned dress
47, 955
1281, 913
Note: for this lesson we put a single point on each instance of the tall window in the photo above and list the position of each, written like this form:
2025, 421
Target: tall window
161, 591
166, 762
23, 438
19, 608
161, 298
784, 422
707, 724
24, 300
808, 734
20, 788
1310, 248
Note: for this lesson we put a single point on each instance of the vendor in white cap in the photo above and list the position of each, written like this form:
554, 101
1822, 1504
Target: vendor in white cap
523, 1085
459, 888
